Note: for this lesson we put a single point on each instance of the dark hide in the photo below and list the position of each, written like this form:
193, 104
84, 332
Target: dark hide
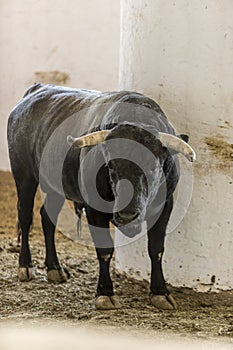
37, 156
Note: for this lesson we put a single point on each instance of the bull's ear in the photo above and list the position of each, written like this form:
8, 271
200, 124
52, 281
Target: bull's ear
184, 137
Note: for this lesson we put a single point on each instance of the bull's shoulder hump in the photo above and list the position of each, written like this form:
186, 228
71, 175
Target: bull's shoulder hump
139, 99
50, 89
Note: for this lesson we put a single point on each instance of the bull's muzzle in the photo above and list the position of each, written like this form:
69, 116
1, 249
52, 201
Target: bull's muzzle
127, 217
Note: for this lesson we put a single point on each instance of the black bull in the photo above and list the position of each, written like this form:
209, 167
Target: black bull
124, 149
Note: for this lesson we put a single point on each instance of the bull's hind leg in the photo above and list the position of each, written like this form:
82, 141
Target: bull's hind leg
26, 188
99, 228
49, 214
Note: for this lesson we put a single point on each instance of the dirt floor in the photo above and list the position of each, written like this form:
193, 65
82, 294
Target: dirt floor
205, 315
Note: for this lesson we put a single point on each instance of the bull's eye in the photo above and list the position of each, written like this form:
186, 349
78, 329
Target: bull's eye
147, 141
153, 170
151, 173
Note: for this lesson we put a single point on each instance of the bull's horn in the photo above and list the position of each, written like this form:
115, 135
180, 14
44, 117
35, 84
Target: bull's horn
178, 145
91, 139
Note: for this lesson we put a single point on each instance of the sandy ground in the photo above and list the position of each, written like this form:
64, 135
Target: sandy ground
203, 315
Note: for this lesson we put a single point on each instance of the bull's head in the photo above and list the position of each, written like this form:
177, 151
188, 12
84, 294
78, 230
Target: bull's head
132, 143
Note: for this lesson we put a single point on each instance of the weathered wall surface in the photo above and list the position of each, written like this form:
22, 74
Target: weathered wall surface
180, 53
74, 43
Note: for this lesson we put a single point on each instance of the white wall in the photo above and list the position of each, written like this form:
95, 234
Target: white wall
80, 38
181, 53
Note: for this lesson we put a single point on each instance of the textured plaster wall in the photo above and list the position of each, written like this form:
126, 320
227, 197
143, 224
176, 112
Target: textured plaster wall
180, 53
71, 42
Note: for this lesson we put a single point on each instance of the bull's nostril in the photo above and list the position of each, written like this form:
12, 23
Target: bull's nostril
128, 216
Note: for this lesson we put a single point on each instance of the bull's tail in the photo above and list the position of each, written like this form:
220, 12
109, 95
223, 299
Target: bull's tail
79, 212
79, 223
18, 232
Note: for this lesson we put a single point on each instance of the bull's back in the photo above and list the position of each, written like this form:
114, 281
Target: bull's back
41, 121
42, 110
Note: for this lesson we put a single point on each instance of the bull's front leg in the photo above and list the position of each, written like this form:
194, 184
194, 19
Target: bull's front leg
99, 228
160, 296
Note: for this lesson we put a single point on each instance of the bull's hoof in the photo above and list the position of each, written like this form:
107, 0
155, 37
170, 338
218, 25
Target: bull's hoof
164, 302
58, 276
104, 302
25, 274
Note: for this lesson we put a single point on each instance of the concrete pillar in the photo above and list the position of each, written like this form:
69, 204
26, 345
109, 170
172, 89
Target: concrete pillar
180, 53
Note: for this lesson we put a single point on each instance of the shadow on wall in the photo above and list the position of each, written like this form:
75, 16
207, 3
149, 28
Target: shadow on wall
52, 77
